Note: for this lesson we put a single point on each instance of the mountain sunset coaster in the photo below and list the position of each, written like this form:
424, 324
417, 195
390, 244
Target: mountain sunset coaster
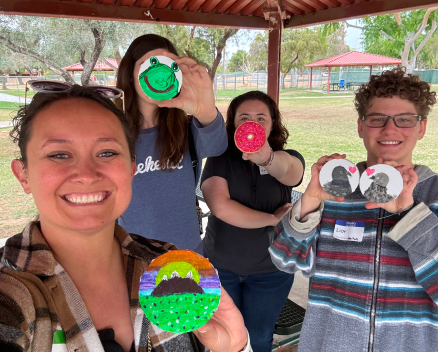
179, 291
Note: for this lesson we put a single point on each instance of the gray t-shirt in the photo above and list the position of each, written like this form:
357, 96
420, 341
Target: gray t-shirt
163, 204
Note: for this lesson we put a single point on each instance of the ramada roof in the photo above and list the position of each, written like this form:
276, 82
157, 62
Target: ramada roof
355, 58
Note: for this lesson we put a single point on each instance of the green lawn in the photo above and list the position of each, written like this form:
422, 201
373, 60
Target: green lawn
317, 126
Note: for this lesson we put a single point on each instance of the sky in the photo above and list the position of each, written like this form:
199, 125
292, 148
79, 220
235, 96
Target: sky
352, 40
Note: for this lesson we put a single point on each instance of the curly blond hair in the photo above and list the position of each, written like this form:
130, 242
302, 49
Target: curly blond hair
396, 82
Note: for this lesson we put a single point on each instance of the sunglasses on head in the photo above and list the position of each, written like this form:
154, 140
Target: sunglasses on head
63, 87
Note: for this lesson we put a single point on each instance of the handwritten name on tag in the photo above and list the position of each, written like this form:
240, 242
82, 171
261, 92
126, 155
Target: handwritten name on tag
263, 170
349, 230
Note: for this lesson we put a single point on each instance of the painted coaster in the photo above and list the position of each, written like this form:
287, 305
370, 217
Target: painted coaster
339, 177
179, 291
160, 78
381, 183
250, 137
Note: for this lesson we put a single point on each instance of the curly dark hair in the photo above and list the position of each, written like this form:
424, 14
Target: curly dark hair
279, 134
22, 122
396, 82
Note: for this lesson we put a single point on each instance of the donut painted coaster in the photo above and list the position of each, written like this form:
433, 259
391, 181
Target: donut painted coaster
179, 291
250, 137
381, 183
160, 78
339, 177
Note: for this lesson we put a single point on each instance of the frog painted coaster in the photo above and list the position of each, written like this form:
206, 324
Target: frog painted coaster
250, 137
160, 78
179, 291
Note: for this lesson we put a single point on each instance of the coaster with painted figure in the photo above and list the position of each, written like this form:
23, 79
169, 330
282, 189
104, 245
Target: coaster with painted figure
339, 177
179, 291
381, 183
160, 78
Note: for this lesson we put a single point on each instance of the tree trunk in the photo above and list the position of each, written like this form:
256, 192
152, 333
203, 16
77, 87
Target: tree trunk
99, 44
295, 78
282, 77
4, 81
220, 47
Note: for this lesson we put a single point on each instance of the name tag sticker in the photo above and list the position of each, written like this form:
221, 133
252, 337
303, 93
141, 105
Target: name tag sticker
263, 170
349, 230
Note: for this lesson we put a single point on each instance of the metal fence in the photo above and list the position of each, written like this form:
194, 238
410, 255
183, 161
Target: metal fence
227, 85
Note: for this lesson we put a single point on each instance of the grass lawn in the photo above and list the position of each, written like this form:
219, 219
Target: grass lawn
317, 126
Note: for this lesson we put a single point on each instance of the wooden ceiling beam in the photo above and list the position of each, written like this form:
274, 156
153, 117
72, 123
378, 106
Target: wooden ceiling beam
357, 10
237, 6
69, 9
291, 8
316, 4
209, 5
331, 3
194, 5
303, 6
224, 5
177, 4
346, 2
259, 11
252, 7
161, 4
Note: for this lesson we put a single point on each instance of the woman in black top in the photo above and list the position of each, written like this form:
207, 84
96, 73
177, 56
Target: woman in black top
247, 200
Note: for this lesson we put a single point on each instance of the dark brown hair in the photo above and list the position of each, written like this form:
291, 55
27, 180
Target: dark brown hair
22, 122
172, 140
396, 82
279, 134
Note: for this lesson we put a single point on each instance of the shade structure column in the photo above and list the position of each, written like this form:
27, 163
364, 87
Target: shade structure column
328, 79
274, 52
311, 77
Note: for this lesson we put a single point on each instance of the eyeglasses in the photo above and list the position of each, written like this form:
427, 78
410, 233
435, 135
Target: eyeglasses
62, 87
401, 121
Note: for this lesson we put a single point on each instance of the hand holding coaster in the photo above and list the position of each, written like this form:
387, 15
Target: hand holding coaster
379, 183
179, 291
250, 137
160, 78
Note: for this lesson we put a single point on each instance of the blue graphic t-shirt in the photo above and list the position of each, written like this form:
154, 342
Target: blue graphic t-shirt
163, 201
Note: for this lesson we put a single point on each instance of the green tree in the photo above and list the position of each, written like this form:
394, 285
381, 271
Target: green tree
59, 42
204, 44
402, 35
240, 62
298, 48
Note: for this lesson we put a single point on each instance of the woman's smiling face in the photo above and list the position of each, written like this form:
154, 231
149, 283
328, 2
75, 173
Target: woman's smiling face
79, 168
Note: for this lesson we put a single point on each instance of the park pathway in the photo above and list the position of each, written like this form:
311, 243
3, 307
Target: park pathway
11, 98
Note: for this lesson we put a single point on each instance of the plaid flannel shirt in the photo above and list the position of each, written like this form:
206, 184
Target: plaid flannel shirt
37, 297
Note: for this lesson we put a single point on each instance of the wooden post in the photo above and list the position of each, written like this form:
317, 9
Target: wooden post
274, 51
371, 70
328, 80
311, 72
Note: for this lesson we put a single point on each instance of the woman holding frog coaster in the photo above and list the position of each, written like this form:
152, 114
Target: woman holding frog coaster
164, 200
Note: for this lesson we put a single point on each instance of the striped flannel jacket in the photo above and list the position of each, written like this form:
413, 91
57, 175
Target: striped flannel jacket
380, 294
37, 297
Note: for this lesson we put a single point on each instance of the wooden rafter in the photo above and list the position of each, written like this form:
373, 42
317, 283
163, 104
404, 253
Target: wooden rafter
209, 5
161, 4
357, 10
194, 5
70, 9
177, 4
316, 4
237, 6
301, 5
252, 7
224, 5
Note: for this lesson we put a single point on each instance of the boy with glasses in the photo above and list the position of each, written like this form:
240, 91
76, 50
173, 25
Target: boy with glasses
380, 292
